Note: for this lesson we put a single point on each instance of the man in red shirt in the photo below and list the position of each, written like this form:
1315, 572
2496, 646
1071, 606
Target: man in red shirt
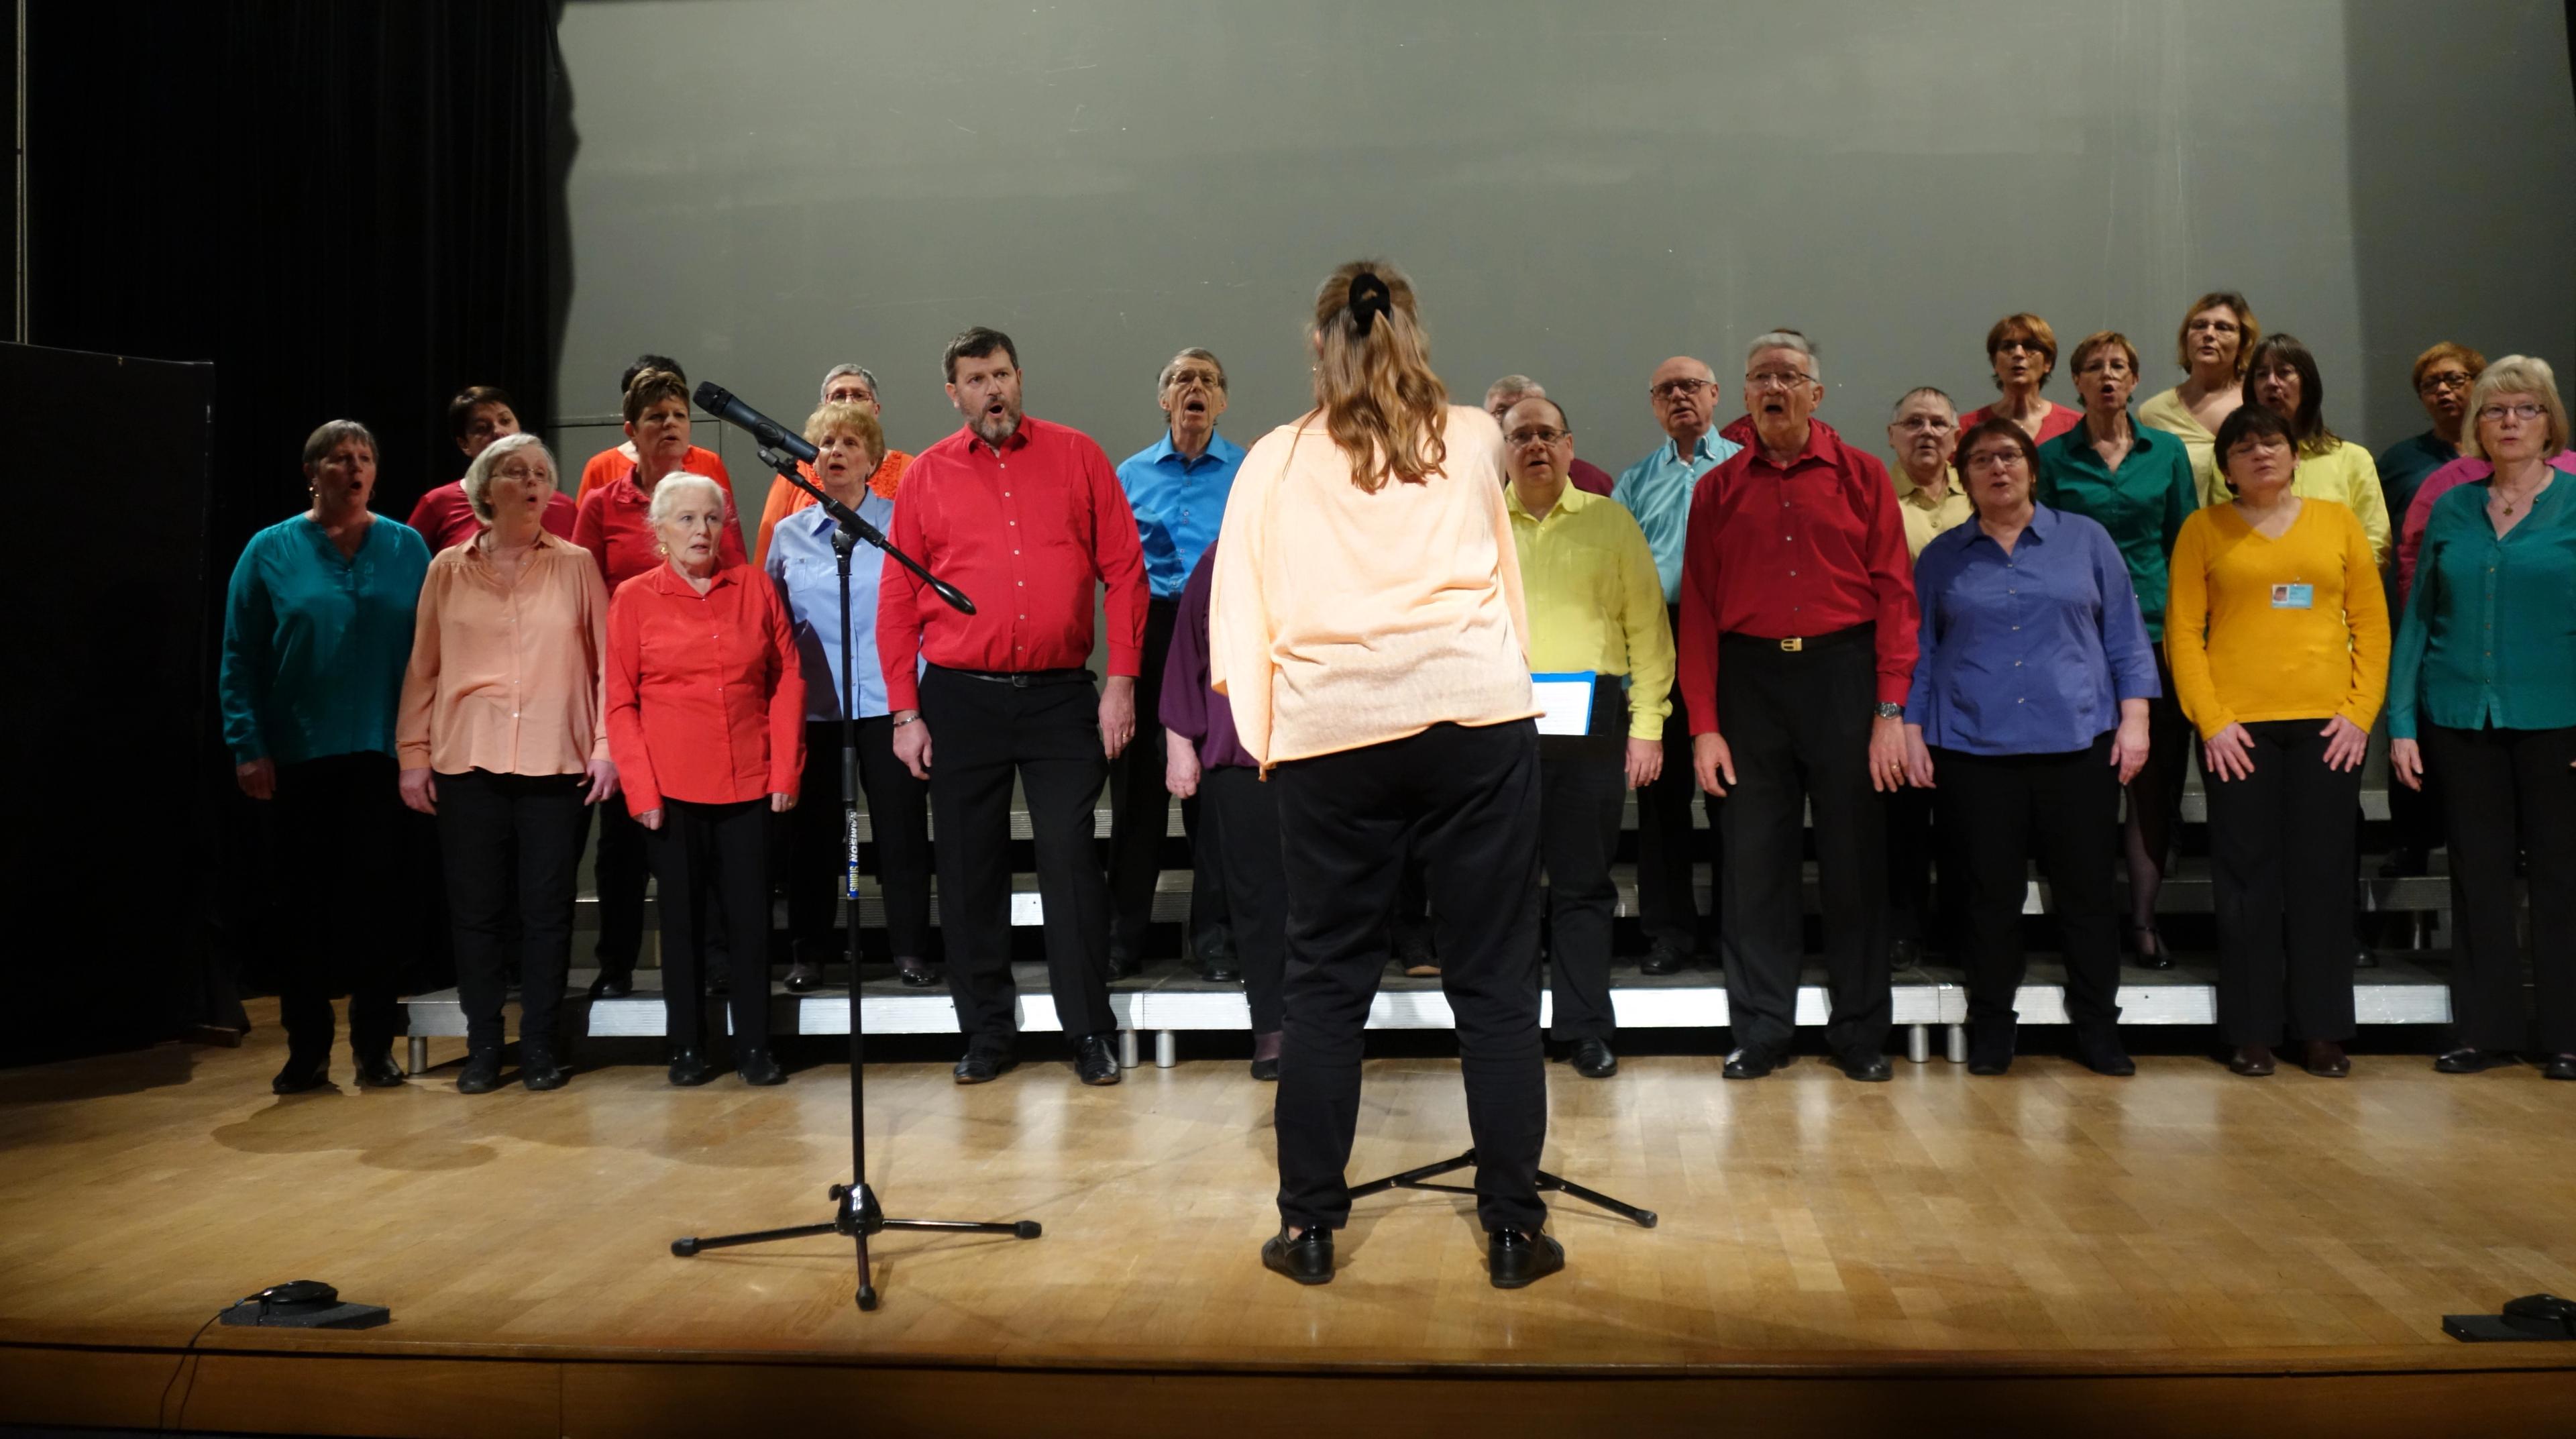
1797, 649
477, 416
1028, 519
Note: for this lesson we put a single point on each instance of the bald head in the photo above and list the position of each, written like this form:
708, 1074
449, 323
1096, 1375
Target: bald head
1683, 393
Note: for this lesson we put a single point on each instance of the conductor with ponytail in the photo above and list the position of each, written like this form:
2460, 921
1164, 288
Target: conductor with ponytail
1367, 630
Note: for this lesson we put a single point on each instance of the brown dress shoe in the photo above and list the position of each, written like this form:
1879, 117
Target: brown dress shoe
2326, 1060
2252, 1060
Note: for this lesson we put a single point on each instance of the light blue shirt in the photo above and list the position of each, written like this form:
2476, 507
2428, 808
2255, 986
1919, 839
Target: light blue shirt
809, 580
315, 642
1657, 490
1179, 503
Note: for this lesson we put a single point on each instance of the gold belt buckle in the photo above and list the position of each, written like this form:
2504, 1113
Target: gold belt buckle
1793, 644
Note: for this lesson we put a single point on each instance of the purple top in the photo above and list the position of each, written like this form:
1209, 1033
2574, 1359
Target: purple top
1188, 706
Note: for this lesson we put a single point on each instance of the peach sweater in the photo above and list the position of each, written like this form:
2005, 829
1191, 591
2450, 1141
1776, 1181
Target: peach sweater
1342, 618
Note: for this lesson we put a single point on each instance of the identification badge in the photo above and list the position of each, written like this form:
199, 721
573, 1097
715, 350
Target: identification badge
1564, 702
2294, 597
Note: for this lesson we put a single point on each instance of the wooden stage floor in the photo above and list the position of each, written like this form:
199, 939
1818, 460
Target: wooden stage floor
2185, 1251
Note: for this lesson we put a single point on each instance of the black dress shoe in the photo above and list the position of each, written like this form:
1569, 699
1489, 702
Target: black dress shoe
2325, 1059
1988, 1064
1663, 957
1593, 1060
1122, 962
2102, 1053
2560, 1066
688, 1068
804, 977
2364, 957
482, 1072
1095, 1060
757, 1066
915, 972
981, 1067
613, 984
1905, 954
379, 1072
539, 1069
1219, 969
302, 1074
1306, 1258
1266, 1069
2468, 1061
1990, 1045
2251, 1060
1750, 1063
1872, 1068
1514, 1260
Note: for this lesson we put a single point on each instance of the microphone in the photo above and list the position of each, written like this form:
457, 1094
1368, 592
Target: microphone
720, 402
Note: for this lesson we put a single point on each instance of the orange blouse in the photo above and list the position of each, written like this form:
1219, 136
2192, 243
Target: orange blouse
506, 678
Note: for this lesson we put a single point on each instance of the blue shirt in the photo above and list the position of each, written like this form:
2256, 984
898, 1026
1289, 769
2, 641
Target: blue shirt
1657, 490
2029, 652
315, 642
809, 580
1179, 503
2486, 640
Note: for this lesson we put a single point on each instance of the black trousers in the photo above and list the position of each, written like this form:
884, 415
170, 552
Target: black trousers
1583, 781
2155, 791
1140, 812
1668, 847
1798, 726
1466, 800
510, 843
340, 822
2500, 785
1047, 732
1246, 811
2280, 849
2003, 811
620, 868
712, 864
1918, 843
898, 810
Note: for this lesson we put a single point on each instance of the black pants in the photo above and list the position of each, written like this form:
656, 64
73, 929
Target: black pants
1798, 726
2499, 785
2155, 791
1246, 812
1918, 844
1583, 781
1140, 812
1048, 733
1467, 802
2002, 811
712, 865
1668, 848
2280, 850
620, 868
510, 843
898, 809
340, 822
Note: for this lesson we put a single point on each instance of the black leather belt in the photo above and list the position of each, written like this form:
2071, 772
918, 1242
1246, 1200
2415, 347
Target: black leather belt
1021, 679
1799, 644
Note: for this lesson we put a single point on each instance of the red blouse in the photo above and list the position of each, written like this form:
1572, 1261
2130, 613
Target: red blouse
705, 699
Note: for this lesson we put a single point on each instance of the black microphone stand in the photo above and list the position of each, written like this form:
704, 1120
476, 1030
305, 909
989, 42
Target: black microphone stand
857, 1213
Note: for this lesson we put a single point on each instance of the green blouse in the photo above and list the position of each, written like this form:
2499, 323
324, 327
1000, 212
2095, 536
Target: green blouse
2142, 504
2489, 636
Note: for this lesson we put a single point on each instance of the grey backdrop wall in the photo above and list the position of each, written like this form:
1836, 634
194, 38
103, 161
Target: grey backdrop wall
765, 187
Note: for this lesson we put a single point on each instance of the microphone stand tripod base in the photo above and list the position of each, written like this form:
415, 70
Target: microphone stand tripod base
858, 1216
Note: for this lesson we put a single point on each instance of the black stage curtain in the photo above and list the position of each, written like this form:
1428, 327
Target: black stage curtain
351, 211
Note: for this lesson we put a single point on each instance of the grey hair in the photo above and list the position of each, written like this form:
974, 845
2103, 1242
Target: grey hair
1519, 387
328, 435
1918, 392
1789, 340
1163, 381
666, 495
837, 371
2517, 375
478, 475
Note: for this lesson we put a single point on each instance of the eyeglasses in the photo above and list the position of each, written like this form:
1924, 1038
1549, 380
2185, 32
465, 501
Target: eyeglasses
2447, 380
1992, 460
1776, 379
1200, 377
1926, 424
1679, 389
1541, 436
2525, 412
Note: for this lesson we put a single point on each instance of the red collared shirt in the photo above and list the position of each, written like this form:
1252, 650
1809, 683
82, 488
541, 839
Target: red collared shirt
614, 525
1026, 532
445, 519
1806, 551
705, 699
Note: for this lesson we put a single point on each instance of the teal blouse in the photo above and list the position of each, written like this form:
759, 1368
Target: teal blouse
315, 643
2489, 635
2142, 504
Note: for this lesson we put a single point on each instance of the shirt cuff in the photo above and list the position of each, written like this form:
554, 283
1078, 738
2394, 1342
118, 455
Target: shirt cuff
1123, 661
1895, 689
412, 754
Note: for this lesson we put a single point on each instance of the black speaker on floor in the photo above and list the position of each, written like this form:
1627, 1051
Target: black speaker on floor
303, 1304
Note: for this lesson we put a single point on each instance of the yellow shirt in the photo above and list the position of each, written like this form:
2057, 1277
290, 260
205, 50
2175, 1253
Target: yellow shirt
2168, 413
1595, 600
2239, 657
2346, 474
1925, 518
1340, 618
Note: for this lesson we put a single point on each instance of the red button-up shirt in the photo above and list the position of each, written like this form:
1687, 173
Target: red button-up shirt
444, 518
1026, 532
1801, 552
705, 699
614, 524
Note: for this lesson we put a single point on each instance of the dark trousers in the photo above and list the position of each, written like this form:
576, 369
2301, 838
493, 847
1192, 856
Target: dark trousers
2003, 811
510, 843
1140, 812
2155, 791
1668, 848
1918, 843
1466, 800
620, 868
1246, 811
2280, 850
340, 822
1583, 781
1798, 726
1047, 732
712, 865
898, 809
2499, 785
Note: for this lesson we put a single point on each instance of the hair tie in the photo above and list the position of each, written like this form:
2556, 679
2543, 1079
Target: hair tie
1370, 298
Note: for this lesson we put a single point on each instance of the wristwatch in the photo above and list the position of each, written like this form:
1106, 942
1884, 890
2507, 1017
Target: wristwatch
1888, 711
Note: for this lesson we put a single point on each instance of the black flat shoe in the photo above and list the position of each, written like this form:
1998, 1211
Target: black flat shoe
613, 984
1266, 1069
804, 977
2468, 1061
2254, 1061
300, 1075
540, 1070
1989, 1064
482, 1072
915, 973
1219, 971
2325, 1059
1593, 1060
1306, 1258
1873, 1068
1122, 962
2364, 957
1750, 1063
2102, 1054
1095, 1060
1514, 1260
1662, 957
2560, 1066
980, 1067
379, 1072
757, 1066
688, 1068
1905, 954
